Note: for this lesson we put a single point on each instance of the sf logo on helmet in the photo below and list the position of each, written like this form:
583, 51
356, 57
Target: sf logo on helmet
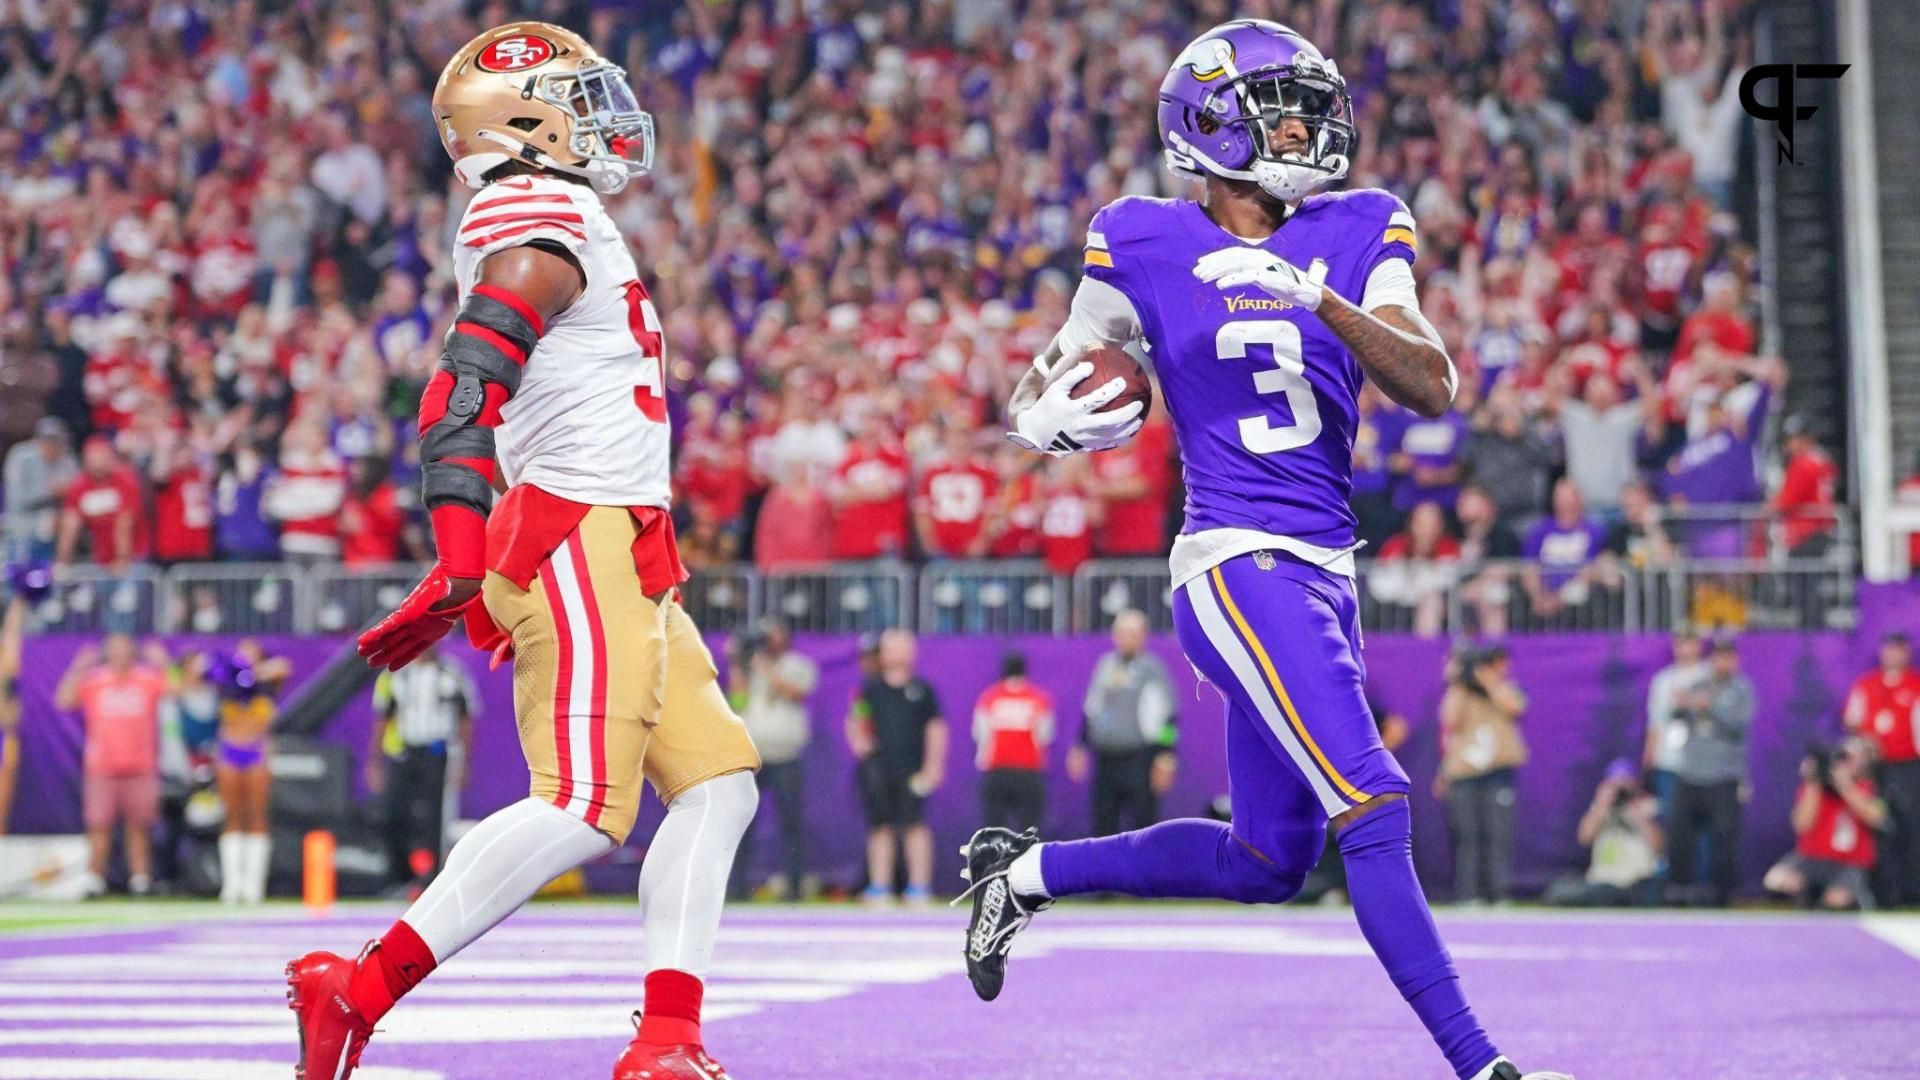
515, 54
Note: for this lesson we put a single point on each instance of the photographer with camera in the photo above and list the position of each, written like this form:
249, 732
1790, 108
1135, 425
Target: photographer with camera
1835, 815
1481, 753
1621, 829
769, 683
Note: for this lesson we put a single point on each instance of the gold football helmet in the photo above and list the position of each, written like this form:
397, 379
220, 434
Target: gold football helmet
534, 92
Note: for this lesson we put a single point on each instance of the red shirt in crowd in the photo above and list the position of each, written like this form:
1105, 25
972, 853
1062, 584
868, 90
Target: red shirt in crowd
306, 496
1136, 480
956, 497
370, 527
796, 530
102, 502
119, 384
1805, 500
121, 710
1017, 534
1066, 527
1886, 709
716, 480
869, 527
1400, 546
183, 516
1837, 835
1012, 725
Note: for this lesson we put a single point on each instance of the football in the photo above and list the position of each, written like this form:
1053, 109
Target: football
1112, 362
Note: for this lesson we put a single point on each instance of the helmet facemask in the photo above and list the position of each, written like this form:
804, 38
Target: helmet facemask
1316, 97
612, 135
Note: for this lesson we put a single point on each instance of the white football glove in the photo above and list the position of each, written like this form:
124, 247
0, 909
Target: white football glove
1060, 424
1231, 268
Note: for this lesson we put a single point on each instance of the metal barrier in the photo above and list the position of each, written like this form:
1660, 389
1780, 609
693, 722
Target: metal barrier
1106, 587
1013, 596
236, 598
852, 598
343, 598
95, 600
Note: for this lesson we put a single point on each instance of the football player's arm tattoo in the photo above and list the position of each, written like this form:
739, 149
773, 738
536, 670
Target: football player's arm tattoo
1398, 349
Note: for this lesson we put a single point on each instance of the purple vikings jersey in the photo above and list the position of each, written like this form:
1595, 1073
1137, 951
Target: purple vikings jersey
1261, 394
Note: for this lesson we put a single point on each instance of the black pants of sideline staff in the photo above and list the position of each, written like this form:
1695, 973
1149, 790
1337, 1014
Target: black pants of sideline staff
1898, 882
1013, 798
1712, 811
416, 794
1123, 786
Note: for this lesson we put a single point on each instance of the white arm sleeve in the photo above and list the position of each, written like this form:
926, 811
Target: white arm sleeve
1390, 283
1100, 312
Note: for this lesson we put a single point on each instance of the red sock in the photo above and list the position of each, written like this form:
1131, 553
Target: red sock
672, 1015
394, 966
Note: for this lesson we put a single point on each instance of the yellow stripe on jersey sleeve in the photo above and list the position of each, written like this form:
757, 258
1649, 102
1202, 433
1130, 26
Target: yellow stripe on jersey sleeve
1096, 257
1401, 236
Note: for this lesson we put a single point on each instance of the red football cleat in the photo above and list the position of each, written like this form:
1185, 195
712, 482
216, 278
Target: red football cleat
332, 1033
682, 1061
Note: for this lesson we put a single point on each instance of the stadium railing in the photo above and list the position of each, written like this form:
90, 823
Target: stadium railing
1012, 597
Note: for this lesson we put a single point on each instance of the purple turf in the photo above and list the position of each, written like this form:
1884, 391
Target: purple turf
1094, 991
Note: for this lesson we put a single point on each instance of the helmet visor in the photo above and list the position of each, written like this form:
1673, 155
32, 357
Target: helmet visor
1304, 120
609, 124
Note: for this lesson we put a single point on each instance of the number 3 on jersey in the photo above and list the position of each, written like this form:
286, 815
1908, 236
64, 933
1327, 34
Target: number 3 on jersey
1288, 376
649, 386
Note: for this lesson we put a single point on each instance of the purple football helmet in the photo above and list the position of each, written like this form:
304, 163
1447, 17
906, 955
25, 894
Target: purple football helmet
1223, 102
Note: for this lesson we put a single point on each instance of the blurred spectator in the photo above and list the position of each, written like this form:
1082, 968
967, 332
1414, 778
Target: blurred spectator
372, 519
1667, 729
104, 501
1373, 437
422, 736
797, 527
899, 735
1427, 459
1621, 831
1416, 568
1602, 432
1711, 782
242, 530
1069, 516
769, 684
182, 506
1013, 726
1569, 556
1806, 497
1484, 538
869, 494
1836, 813
1128, 733
248, 682
1908, 494
118, 696
38, 471
1716, 466
1883, 707
1506, 458
1641, 539
1481, 753
953, 499
306, 493
1133, 483
12, 632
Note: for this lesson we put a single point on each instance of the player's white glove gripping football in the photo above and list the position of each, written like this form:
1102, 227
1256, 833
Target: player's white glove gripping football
1234, 267
1059, 424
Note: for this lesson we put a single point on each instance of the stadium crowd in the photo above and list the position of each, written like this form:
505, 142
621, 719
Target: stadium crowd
226, 228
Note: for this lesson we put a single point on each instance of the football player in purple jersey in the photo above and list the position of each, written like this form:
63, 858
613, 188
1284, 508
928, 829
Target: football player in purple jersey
1261, 308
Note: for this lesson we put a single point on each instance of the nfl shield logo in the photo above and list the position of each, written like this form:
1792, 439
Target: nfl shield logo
1263, 559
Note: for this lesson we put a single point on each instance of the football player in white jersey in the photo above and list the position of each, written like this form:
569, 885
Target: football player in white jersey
550, 391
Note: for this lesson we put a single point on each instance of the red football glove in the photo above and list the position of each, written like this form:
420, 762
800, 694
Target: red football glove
424, 617
485, 634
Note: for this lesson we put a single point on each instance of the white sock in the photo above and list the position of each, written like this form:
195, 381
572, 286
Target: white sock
1024, 877
498, 866
230, 872
257, 854
683, 880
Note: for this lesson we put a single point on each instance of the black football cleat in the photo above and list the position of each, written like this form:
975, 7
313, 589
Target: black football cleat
998, 912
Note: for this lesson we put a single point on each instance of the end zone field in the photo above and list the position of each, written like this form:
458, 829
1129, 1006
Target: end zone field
191, 992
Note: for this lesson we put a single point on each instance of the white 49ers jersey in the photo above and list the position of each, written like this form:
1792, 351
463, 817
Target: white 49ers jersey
589, 422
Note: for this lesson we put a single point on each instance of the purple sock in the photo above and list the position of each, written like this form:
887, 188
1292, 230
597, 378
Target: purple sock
1394, 919
1187, 858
